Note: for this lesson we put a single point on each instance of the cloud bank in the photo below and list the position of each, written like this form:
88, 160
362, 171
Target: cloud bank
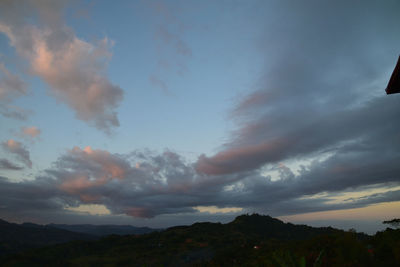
144, 184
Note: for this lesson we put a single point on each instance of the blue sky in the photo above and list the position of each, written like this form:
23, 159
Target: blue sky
166, 112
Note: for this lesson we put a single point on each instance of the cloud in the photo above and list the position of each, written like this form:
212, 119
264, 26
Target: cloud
5, 164
97, 176
14, 112
11, 87
19, 150
73, 68
323, 86
145, 184
256, 145
93, 168
180, 47
214, 209
155, 81
32, 131
92, 209
173, 51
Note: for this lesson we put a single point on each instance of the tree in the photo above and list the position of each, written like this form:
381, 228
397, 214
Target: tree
395, 223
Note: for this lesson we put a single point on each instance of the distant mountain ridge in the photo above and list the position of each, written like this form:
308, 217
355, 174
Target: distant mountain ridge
18, 237
104, 230
259, 226
266, 226
249, 240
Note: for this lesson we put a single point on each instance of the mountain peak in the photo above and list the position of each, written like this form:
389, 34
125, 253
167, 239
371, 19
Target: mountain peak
255, 218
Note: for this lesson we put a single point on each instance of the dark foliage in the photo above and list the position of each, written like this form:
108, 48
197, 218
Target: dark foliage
104, 230
393, 86
394, 223
19, 237
250, 240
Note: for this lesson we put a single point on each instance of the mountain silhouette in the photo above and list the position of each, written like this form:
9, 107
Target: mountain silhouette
104, 230
249, 240
17, 237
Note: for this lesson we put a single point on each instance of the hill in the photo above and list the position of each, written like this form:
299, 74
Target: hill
250, 240
18, 237
104, 230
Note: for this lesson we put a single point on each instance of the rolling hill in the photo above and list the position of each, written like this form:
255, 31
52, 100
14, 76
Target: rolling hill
249, 240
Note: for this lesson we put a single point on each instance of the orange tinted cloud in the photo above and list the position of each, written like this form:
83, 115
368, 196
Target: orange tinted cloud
103, 158
31, 131
79, 183
105, 167
241, 158
140, 212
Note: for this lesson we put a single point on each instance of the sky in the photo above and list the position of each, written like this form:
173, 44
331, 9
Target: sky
162, 113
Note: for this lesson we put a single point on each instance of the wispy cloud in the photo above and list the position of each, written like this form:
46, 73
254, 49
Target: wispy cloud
323, 87
19, 150
11, 87
172, 49
156, 81
14, 112
5, 164
31, 132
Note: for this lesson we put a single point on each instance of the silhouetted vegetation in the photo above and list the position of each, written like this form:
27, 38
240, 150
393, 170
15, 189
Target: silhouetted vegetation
104, 230
249, 240
395, 223
18, 237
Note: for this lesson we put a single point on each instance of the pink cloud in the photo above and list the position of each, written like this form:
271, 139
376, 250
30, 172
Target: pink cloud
87, 198
111, 167
75, 74
140, 212
31, 131
75, 184
73, 68
93, 169
241, 158
79, 185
